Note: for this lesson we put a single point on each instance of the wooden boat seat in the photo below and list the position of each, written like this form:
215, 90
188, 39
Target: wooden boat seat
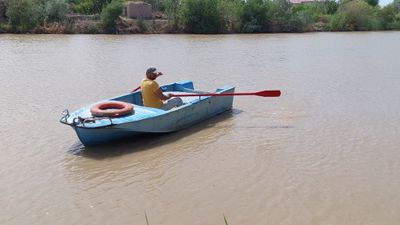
186, 100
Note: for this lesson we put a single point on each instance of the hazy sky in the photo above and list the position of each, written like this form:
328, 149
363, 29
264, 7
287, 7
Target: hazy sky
385, 2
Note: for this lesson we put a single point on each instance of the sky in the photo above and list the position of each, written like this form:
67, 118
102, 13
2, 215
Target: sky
384, 2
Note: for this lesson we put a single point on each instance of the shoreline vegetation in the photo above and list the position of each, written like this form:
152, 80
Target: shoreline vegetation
197, 16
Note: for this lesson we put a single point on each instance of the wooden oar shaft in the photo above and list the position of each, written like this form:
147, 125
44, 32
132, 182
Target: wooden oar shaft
272, 93
210, 94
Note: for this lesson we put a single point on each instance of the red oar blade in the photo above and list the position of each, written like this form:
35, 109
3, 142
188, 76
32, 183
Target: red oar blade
269, 93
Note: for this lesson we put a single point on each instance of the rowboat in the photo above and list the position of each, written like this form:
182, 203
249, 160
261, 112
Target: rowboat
94, 130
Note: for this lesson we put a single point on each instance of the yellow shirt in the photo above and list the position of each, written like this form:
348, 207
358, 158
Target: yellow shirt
149, 97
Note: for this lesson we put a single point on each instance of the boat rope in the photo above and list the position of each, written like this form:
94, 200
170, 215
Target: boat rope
65, 116
80, 120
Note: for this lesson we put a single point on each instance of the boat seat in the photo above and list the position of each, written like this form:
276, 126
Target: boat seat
185, 100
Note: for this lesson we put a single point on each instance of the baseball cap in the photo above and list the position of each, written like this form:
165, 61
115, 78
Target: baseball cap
151, 70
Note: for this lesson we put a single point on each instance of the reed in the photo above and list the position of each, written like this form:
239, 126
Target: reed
226, 222
147, 219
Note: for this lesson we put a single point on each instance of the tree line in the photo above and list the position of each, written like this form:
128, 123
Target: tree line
217, 16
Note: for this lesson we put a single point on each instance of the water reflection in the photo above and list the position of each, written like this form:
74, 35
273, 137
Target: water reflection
150, 141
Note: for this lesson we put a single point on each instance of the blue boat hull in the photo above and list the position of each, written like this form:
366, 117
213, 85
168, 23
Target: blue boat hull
159, 121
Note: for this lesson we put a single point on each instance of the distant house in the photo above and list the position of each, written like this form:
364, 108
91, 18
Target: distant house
138, 10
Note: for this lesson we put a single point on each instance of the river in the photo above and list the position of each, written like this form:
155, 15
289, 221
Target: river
325, 152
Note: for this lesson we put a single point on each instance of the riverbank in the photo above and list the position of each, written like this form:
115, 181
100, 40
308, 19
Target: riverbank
82, 24
197, 17
92, 25
123, 26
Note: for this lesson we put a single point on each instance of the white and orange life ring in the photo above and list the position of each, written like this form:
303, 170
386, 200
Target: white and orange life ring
111, 109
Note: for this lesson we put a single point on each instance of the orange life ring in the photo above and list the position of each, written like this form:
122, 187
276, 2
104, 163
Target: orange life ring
111, 109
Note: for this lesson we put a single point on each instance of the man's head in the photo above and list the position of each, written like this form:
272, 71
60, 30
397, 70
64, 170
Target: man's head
152, 74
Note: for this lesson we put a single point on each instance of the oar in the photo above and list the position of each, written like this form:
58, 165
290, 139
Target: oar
266, 93
136, 89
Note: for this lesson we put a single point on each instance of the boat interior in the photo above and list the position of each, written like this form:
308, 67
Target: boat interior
181, 87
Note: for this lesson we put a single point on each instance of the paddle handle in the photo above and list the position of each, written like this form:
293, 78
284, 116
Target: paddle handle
136, 89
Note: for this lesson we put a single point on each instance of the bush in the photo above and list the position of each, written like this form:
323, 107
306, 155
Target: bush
372, 2
23, 15
142, 26
171, 8
294, 24
202, 16
307, 20
358, 13
253, 16
110, 15
84, 7
388, 15
313, 10
99, 5
89, 6
395, 25
230, 11
337, 22
279, 14
330, 7
4, 28
56, 10
396, 4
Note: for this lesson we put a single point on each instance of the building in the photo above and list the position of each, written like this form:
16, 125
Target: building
138, 10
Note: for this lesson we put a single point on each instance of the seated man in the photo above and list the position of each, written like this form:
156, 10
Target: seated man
152, 95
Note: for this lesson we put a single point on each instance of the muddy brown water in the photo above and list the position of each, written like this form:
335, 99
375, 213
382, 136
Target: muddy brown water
325, 152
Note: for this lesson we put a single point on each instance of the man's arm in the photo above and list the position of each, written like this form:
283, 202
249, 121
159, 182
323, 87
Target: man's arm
160, 94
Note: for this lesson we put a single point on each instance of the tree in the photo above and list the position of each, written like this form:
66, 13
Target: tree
279, 14
98, 5
390, 16
253, 17
337, 22
56, 10
89, 6
23, 15
372, 2
388, 13
171, 8
396, 5
330, 7
202, 16
110, 15
230, 11
359, 14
